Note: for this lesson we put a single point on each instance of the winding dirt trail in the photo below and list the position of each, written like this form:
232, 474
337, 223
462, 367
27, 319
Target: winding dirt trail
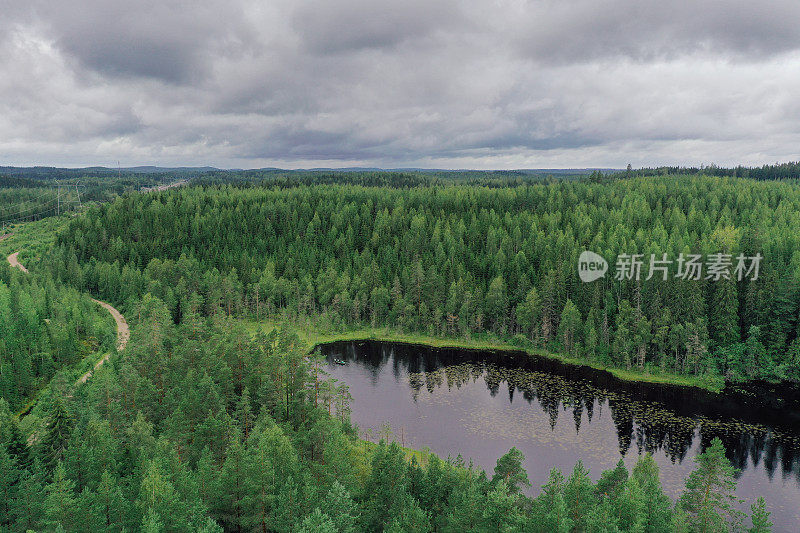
123, 331
15, 262
123, 334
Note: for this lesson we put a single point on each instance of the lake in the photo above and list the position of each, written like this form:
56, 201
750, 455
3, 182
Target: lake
478, 404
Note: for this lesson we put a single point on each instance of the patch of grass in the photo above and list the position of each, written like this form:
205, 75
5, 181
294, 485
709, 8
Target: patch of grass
712, 383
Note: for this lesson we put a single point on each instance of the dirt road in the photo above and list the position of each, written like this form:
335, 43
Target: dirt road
123, 331
123, 334
15, 263
161, 188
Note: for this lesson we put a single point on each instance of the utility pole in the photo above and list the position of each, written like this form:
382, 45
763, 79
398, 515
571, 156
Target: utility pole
58, 198
80, 205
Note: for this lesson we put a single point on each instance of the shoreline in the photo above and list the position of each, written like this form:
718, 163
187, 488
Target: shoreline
313, 339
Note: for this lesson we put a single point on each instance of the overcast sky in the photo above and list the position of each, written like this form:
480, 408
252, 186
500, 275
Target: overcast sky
423, 83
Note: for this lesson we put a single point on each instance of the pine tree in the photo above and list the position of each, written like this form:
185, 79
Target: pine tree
760, 517
579, 495
558, 518
160, 501
9, 476
60, 502
709, 495
340, 507
317, 522
601, 519
463, 511
235, 486
244, 414
386, 485
272, 462
152, 523
612, 482
407, 515
509, 469
657, 513
28, 509
107, 506
501, 512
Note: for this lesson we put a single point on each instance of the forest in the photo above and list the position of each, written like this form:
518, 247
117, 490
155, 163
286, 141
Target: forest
780, 171
462, 260
198, 427
202, 425
44, 326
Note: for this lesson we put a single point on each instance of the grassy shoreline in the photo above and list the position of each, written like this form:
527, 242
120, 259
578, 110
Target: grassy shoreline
312, 337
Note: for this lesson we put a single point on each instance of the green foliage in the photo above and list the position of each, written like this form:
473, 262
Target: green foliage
462, 260
760, 517
509, 470
44, 326
153, 446
709, 496
56, 440
198, 426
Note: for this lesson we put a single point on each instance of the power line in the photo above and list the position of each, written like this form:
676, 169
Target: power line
31, 216
36, 211
52, 201
31, 200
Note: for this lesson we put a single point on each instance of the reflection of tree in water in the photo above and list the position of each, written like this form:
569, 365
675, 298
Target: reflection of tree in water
650, 426
748, 444
624, 423
577, 414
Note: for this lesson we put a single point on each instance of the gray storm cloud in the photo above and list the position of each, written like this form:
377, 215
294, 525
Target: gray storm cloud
506, 84
648, 30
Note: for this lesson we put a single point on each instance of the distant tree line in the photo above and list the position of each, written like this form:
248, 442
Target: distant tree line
778, 171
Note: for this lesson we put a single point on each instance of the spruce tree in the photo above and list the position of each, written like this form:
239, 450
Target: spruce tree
56, 439
17, 447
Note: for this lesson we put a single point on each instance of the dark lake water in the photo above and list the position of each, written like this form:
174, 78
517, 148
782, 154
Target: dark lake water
479, 404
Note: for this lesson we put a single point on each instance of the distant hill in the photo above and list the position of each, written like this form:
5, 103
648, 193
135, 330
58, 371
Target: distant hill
160, 174
536, 171
56, 173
